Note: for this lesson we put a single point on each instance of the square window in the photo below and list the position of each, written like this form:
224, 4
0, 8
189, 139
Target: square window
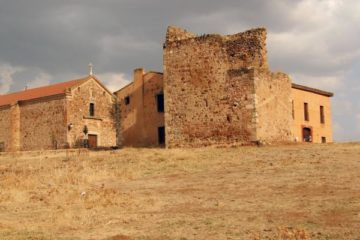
127, 100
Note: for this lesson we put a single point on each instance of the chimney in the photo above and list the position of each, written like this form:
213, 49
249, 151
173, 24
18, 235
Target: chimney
138, 76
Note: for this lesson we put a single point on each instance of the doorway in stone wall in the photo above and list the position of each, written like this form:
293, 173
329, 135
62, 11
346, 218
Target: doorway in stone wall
307, 134
92, 141
161, 135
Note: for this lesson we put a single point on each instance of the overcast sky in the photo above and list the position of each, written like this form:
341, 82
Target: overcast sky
317, 42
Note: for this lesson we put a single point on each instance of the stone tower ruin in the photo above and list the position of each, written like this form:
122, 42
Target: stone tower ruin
220, 90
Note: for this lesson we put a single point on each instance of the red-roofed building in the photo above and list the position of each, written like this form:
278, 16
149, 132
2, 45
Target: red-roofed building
62, 115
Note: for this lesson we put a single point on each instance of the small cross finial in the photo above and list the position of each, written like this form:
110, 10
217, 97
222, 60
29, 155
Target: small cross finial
91, 67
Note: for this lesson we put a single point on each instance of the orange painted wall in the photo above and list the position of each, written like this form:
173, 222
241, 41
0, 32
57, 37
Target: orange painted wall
314, 101
140, 119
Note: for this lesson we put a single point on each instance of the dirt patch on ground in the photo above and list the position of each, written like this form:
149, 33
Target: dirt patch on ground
286, 192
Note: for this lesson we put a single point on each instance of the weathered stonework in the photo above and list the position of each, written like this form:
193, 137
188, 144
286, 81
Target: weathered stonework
218, 90
57, 121
42, 124
214, 88
273, 107
102, 124
5, 127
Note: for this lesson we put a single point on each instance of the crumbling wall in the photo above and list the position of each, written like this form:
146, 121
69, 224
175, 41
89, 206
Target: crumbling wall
273, 107
212, 86
209, 87
5, 134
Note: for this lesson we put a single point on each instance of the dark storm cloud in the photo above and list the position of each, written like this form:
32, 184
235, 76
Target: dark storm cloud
64, 35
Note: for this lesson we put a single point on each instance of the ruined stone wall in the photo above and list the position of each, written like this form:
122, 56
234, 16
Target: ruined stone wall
140, 119
209, 87
5, 134
273, 107
42, 124
314, 101
102, 124
15, 121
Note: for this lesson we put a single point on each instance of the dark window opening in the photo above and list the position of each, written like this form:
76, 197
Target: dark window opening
293, 109
160, 102
127, 100
322, 115
306, 111
161, 135
92, 109
323, 139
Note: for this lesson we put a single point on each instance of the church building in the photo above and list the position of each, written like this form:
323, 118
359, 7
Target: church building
62, 115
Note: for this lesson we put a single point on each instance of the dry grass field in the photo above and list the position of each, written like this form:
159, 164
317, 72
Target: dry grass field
286, 192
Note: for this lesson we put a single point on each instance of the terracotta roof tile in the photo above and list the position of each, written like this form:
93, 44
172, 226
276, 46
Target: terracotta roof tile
34, 93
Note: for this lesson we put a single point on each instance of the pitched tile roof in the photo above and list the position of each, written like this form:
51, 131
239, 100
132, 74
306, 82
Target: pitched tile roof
40, 92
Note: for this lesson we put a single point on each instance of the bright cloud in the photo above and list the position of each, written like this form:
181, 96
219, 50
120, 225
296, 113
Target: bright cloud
6, 77
358, 121
329, 83
114, 81
42, 79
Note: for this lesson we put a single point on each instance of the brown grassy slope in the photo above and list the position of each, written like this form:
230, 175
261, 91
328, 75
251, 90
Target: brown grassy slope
287, 192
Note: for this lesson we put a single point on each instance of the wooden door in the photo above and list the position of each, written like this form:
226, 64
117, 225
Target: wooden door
92, 141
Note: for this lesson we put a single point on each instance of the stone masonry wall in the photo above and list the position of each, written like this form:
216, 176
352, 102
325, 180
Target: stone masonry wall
102, 124
42, 124
5, 126
15, 121
273, 107
209, 87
